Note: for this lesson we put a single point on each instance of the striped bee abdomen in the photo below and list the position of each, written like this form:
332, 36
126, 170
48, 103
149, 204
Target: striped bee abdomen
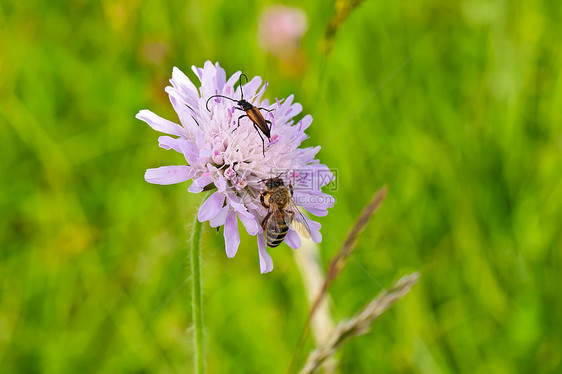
277, 235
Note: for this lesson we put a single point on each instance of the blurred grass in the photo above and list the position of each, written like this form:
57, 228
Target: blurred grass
467, 136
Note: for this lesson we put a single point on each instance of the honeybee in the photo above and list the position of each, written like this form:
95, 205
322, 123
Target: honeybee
282, 212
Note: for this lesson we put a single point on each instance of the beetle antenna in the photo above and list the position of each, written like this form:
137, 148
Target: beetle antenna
226, 97
240, 83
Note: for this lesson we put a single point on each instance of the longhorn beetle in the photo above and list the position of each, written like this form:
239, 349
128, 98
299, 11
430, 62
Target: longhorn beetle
252, 112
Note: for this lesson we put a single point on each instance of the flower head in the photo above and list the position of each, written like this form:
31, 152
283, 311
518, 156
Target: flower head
229, 158
281, 28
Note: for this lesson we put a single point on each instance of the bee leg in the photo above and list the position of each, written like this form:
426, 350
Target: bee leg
291, 188
239, 118
262, 141
264, 221
262, 200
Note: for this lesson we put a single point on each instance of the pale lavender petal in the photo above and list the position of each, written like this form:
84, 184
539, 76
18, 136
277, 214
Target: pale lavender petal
167, 142
198, 72
221, 77
295, 109
185, 112
200, 183
283, 108
208, 81
168, 174
194, 188
203, 181
183, 82
249, 222
231, 235
293, 239
233, 79
305, 122
315, 227
251, 87
160, 124
211, 207
312, 209
316, 203
190, 151
266, 263
220, 183
220, 218
260, 94
322, 174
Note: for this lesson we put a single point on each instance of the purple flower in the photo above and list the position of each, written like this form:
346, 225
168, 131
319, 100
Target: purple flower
231, 162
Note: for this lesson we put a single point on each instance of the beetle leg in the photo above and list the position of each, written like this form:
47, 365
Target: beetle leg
269, 110
262, 141
270, 125
239, 118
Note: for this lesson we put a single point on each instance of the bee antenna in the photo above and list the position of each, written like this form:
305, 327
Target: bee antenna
226, 97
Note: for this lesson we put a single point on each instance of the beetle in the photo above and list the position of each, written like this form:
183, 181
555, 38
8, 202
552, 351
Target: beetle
252, 112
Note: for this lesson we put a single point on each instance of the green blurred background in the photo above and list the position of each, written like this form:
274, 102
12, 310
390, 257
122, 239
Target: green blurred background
466, 135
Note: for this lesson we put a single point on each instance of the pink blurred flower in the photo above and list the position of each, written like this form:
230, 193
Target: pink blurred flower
232, 162
281, 28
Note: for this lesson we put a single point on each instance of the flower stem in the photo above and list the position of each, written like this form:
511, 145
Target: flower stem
197, 305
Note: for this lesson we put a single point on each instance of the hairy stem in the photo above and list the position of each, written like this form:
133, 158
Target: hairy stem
197, 305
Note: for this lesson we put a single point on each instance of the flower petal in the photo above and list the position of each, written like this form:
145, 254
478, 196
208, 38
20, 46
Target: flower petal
184, 110
295, 109
248, 219
266, 263
232, 80
315, 227
211, 207
160, 124
250, 88
220, 218
250, 223
208, 80
231, 235
293, 239
220, 77
200, 183
167, 142
183, 82
168, 174
189, 150
220, 183
305, 122
316, 203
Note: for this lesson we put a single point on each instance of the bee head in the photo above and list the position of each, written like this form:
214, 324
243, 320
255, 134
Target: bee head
273, 182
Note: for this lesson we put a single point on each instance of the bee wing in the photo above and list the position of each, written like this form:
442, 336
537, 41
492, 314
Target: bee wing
270, 222
296, 220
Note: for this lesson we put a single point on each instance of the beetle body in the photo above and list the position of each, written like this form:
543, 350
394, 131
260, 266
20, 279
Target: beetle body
252, 112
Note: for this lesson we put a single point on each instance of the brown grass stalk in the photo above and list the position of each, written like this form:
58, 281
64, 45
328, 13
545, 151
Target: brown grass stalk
360, 324
338, 263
